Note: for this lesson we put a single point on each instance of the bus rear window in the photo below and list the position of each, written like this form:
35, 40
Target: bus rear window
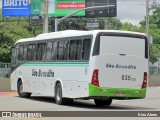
122, 45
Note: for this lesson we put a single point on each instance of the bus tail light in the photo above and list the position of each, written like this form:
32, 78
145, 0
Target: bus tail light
144, 84
95, 80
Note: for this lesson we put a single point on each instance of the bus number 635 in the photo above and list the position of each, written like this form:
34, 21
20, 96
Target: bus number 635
126, 77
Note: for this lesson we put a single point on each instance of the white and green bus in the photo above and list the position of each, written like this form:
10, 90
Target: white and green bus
102, 65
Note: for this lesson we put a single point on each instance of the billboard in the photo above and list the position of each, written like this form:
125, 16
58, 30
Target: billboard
16, 7
103, 12
58, 8
37, 7
65, 7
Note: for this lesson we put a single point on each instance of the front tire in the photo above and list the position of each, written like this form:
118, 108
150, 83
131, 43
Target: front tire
103, 102
59, 98
20, 91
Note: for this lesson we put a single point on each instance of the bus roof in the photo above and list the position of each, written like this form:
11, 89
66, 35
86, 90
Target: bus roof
71, 33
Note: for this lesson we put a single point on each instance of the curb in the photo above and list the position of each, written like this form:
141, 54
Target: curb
8, 94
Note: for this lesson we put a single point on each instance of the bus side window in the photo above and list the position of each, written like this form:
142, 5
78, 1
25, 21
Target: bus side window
79, 50
75, 49
54, 52
13, 58
40, 53
31, 52
49, 51
16, 53
72, 50
86, 49
20, 52
25, 52
66, 47
60, 50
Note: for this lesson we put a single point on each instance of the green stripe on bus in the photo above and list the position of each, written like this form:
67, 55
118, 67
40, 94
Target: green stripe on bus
129, 93
56, 64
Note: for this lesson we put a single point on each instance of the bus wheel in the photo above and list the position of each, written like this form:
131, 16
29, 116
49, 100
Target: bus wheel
102, 102
20, 91
58, 96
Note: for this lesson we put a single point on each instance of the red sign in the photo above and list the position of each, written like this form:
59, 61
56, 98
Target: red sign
70, 5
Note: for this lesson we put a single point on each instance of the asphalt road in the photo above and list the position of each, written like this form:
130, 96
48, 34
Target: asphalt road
45, 103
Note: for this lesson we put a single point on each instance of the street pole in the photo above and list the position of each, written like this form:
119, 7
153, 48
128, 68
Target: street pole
56, 24
147, 33
153, 6
147, 18
57, 21
45, 22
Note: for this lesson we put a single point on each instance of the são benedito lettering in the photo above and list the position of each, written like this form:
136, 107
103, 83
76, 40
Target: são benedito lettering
40, 73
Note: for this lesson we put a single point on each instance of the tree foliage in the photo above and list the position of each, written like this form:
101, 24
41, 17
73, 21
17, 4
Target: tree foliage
10, 32
80, 24
154, 53
154, 31
72, 24
130, 27
113, 23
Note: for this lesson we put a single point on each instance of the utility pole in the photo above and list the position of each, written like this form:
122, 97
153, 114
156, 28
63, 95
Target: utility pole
147, 33
45, 22
147, 18
149, 7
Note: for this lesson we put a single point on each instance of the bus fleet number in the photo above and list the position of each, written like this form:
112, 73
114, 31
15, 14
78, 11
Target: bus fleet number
126, 77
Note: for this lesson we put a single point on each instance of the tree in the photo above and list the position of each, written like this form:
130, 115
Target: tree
154, 30
130, 27
79, 24
113, 23
10, 32
154, 53
72, 24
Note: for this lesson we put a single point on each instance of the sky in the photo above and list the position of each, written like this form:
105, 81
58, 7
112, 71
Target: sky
132, 11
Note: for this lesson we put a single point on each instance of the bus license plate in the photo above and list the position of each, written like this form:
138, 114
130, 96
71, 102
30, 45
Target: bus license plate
120, 94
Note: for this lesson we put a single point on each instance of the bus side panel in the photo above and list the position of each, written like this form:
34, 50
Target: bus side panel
41, 78
13, 81
19, 74
74, 80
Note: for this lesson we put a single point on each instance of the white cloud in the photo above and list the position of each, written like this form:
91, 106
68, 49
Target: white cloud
132, 11
0, 4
